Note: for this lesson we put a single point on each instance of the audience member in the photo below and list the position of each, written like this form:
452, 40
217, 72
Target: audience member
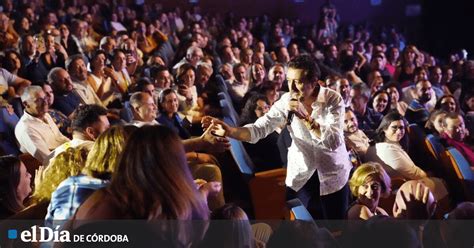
455, 133
88, 123
417, 111
368, 183
15, 186
65, 99
354, 137
36, 131
367, 118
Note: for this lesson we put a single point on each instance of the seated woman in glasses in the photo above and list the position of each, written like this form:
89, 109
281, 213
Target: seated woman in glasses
390, 151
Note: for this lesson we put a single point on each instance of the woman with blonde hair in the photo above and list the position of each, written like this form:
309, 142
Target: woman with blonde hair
368, 183
66, 164
101, 163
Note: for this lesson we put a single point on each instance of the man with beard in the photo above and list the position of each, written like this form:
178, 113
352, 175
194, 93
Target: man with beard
76, 67
417, 111
354, 137
344, 88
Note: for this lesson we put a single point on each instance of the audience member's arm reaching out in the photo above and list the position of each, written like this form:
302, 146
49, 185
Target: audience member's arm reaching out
207, 142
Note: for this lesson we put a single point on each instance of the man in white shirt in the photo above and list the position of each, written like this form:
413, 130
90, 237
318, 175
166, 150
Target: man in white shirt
36, 132
77, 69
315, 118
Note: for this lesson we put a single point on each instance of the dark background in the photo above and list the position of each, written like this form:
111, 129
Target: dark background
440, 28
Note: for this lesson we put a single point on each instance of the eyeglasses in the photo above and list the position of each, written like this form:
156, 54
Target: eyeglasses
395, 128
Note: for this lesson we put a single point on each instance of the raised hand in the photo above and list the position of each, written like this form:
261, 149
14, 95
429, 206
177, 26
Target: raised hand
414, 203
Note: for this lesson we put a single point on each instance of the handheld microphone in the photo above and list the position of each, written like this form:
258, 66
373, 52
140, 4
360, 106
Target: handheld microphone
291, 114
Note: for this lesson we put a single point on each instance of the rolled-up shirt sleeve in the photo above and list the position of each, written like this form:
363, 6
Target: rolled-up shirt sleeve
268, 123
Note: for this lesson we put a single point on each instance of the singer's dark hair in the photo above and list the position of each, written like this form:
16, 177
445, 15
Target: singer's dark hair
305, 62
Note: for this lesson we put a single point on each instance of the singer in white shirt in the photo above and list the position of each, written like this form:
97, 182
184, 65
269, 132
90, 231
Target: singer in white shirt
318, 150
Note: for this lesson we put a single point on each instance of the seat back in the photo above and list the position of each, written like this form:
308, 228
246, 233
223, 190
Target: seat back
241, 158
220, 82
415, 149
458, 175
227, 107
461, 165
268, 193
434, 146
298, 211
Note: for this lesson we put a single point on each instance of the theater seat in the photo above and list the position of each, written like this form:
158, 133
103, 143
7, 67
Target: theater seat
458, 175
417, 140
267, 188
434, 146
228, 108
298, 210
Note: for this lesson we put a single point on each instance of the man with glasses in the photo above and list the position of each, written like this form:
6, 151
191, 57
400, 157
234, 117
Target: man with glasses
36, 131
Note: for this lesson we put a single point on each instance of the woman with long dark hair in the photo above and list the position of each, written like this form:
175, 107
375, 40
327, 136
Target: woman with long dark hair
264, 153
15, 186
405, 71
390, 150
380, 102
391, 146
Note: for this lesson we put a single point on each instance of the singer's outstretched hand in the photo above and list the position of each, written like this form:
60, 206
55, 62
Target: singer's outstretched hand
240, 133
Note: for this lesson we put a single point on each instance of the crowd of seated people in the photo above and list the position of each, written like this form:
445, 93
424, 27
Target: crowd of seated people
109, 97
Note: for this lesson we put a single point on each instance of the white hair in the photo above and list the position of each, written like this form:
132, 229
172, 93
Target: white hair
136, 99
191, 50
53, 75
30, 93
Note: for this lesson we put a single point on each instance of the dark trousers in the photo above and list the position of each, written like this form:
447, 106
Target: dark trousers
332, 206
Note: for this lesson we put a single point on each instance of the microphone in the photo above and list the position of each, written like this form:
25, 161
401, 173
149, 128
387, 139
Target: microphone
291, 113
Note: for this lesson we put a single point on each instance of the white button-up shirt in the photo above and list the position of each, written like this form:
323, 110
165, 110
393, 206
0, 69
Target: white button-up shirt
308, 153
37, 137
